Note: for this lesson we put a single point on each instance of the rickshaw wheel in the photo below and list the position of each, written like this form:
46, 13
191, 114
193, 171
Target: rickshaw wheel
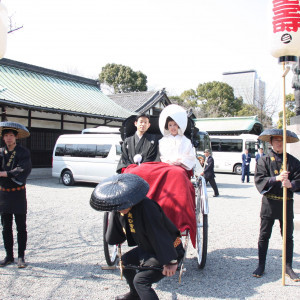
202, 232
202, 228
110, 251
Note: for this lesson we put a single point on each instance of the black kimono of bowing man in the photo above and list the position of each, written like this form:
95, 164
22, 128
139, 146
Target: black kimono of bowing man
147, 146
151, 230
267, 168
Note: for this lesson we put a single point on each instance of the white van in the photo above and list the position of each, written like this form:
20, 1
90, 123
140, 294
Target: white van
85, 157
101, 129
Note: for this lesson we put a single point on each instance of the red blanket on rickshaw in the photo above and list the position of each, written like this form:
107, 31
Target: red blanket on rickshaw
171, 187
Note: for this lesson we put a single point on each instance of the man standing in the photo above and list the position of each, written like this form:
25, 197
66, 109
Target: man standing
142, 223
259, 154
246, 159
269, 180
141, 143
15, 166
209, 173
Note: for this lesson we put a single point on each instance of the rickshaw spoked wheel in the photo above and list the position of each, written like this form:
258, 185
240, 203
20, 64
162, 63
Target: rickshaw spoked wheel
110, 251
202, 233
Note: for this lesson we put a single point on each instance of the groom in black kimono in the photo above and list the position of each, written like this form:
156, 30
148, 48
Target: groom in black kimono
141, 143
269, 180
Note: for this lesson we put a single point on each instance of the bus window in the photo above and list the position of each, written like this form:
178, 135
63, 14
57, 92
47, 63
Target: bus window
227, 145
202, 142
251, 146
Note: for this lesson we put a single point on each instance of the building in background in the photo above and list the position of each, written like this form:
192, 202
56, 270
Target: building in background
248, 85
149, 102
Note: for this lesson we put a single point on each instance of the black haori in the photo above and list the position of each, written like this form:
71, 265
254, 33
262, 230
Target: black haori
19, 128
119, 192
266, 135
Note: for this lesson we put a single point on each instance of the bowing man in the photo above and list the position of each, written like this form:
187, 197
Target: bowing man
140, 143
143, 224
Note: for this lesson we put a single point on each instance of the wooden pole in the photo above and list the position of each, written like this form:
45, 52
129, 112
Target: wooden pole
284, 200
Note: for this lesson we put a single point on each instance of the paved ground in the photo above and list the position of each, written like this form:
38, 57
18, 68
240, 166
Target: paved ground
65, 249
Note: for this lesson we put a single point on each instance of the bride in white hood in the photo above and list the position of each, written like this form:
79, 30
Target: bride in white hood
175, 148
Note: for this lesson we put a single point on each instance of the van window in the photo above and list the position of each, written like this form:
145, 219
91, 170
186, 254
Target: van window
83, 150
118, 150
103, 150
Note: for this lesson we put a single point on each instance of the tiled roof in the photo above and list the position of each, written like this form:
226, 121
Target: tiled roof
138, 102
231, 125
37, 88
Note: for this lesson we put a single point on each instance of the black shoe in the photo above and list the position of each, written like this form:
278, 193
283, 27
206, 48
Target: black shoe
259, 271
6, 261
128, 296
216, 195
290, 272
21, 263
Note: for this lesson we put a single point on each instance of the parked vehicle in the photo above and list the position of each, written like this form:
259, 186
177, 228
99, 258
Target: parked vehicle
101, 129
85, 157
227, 151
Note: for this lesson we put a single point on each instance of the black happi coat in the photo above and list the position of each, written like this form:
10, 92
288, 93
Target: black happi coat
147, 146
146, 226
17, 164
267, 168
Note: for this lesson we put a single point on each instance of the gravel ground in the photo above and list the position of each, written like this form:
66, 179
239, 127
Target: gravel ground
65, 250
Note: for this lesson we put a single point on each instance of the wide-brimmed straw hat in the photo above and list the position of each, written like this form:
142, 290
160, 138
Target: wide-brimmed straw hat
21, 129
266, 135
177, 113
119, 192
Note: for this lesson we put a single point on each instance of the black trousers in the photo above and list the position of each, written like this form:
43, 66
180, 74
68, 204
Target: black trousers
266, 226
7, 233
213, 184
140, 282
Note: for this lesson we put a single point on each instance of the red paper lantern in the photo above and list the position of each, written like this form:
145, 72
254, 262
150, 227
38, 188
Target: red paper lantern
285, 39
3, 29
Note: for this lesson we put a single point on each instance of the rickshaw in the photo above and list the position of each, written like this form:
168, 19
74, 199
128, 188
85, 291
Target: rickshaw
112, 252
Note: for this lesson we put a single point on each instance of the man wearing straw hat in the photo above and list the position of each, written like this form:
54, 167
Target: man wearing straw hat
143, 223
269, 180
15, 166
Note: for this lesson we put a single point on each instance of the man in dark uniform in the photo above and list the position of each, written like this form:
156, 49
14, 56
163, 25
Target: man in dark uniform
246, 159
269, 180
143, 223
259, 154
209, 173
15, 166
141, 143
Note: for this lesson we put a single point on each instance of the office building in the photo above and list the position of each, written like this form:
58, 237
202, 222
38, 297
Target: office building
248, 85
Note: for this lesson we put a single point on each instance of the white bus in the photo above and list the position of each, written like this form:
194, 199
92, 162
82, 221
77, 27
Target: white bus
227, 151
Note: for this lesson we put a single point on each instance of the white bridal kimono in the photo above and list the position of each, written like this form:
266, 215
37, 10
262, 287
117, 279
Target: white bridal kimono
177, 149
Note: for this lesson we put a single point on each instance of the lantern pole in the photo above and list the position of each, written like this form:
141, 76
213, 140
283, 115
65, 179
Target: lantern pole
3, 29
284, 200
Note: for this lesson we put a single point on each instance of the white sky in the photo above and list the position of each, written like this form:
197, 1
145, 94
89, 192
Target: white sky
176, 43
